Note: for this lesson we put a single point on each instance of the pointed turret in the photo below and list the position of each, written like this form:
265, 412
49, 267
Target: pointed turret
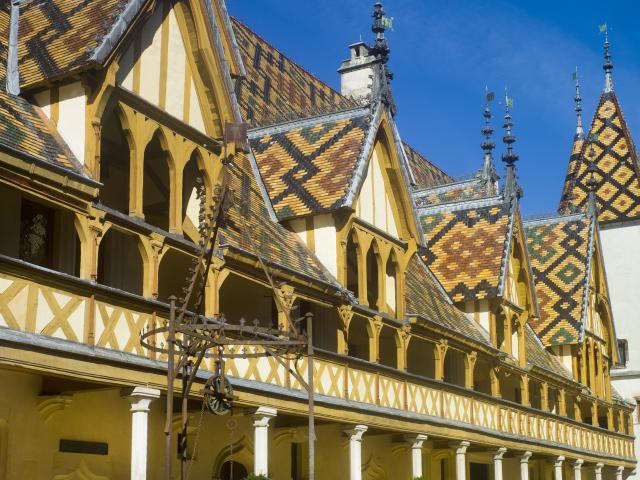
617, 192
488, 174
591, 183
567, 201
511, 186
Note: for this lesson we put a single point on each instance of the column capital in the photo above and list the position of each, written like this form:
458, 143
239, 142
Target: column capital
558, 461
577, 465
416, 441
263, 415
598, 467
461, 447
140, 397
356, 432
524, 458
499, 453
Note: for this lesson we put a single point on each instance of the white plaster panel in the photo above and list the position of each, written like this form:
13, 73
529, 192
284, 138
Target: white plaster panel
325, 242
150, 58
71, 117
43, 100
176, 69
299, 225
124, 77
195, 112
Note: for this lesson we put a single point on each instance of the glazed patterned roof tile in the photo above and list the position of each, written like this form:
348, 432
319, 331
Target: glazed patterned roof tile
275, 88
425, 173
455, 192
307, 170
465, 249
275, 243
59, 36
424, 297
538, 356
618, 174
559, 252
22, 127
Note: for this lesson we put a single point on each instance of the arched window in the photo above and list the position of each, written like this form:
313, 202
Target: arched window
233, 471
172, 275
352, 266
115, 162
391, 285
421, 358
119, 262
156, 188
388, 347
190, 204
373, 277
358, 338
454, 367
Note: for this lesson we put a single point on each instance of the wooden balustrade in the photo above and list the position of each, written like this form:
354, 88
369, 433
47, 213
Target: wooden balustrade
47, 303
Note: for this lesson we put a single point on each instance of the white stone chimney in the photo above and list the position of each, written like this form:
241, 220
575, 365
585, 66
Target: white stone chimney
356, 72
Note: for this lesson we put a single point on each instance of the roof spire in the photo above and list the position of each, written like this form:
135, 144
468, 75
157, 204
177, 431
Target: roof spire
511, 187
592, 183
608, 66
488, 175
578, 109
380, 22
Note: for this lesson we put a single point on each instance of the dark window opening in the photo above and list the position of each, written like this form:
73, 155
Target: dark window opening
623, 352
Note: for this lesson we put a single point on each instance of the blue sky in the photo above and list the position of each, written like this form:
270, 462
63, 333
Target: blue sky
443, 53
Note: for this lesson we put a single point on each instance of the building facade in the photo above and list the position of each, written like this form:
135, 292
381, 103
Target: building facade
453, 339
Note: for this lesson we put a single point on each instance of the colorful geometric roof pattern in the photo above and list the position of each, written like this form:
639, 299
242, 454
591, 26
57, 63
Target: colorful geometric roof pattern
465, 248
22, 127
559, 251
60, 36
274, 242
425, 173
453, 192
568, 200
308, 169
424, 297
275, 88
616, 160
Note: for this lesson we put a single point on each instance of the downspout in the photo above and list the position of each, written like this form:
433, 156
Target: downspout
13, 75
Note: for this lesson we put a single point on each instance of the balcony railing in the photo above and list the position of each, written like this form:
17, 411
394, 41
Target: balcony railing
40, 301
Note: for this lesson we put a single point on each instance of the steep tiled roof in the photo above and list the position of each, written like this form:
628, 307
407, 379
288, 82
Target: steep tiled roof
538, 356
453, 192
275, 243
424, 297
308, 168
60, 36
559, 252
22, 127
275, 88
425, 173
465, 247
618, 192
567, 199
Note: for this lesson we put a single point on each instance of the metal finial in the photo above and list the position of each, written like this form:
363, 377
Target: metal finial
509, 157
381, 47
578, 109
608, 66
488, 174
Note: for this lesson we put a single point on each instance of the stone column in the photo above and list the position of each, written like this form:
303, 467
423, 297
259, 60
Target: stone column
261, 417
597, 471
619, 471
416, 454
461, 460
524, 465
557, 468
577, 469
140, 399
355, 451
498, 455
